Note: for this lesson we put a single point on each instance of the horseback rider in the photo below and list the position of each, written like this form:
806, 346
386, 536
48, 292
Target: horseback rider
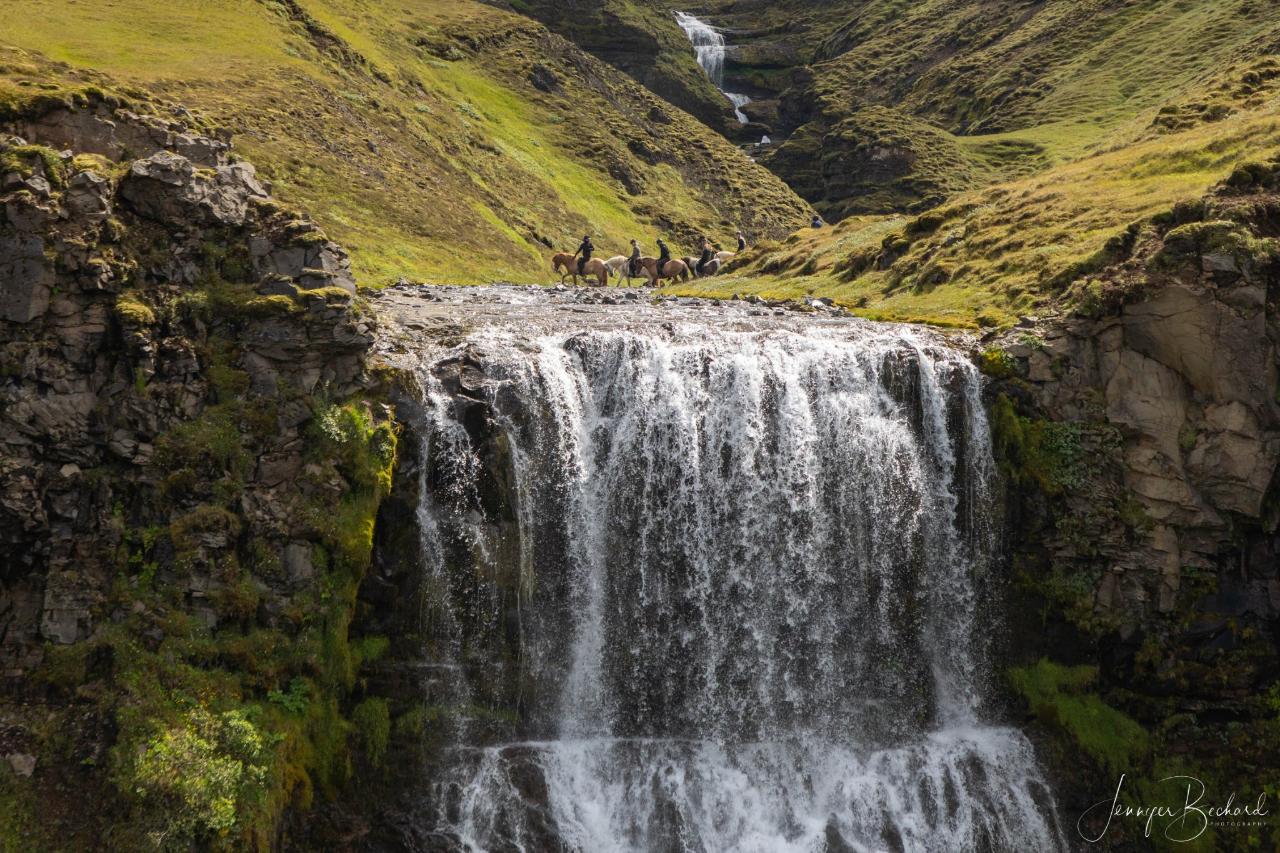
633, 262
707, 254
664, 256
742, 243
584, 253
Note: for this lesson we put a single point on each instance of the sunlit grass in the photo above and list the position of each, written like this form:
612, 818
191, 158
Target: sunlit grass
989, 256
428, 157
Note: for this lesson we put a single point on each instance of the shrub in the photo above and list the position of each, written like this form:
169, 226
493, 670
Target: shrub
296, 699
132, 311
195, 776
997, 364
1032, 451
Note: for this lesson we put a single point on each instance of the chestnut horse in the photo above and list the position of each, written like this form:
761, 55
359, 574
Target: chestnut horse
673, 268
567, 265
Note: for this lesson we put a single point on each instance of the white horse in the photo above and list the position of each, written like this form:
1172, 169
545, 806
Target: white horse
620, 265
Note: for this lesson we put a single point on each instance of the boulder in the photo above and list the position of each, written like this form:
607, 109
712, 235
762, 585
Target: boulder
88, 196
167, 187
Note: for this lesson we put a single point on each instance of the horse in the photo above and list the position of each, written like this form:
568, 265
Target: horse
567, 265
673, 268
723, 257
620, 265
712, 267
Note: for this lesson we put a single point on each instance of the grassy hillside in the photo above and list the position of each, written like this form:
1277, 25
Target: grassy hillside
986, 257
933, 95
439, 140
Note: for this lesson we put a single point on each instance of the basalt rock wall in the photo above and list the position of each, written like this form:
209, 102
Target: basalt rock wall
1140, 437
191, 454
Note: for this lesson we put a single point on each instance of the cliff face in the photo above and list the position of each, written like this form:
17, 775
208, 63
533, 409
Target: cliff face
188, 481
1141, 436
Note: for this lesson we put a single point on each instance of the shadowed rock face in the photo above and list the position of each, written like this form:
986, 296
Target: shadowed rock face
96, 259
165, 331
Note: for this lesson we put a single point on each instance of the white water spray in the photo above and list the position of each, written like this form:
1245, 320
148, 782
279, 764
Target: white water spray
756, 621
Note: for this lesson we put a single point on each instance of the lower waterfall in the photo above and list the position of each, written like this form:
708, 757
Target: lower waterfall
731, 586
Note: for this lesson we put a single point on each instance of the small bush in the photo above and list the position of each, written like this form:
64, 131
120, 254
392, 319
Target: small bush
132, 311
194, 777
296, 699
997, 364
1043, 453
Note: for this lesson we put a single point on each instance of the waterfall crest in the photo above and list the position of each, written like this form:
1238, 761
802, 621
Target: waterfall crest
752, 568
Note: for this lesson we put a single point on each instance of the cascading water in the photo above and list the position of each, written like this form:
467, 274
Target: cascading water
750, 566
708, 45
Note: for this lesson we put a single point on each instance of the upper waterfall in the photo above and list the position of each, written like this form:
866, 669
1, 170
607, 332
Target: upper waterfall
746, 566
709, 46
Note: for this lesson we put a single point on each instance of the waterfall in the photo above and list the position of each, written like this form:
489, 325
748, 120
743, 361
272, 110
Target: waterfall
709, 47
737, 579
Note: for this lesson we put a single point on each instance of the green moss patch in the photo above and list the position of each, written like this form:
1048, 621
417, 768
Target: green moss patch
1046, 453
1064, 698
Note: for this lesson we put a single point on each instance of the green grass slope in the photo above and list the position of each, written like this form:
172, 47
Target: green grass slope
437, 140
945, 93
987, 256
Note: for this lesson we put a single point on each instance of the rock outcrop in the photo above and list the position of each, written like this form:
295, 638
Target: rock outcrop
1181, 362
1141, 434
871, 160
187, 481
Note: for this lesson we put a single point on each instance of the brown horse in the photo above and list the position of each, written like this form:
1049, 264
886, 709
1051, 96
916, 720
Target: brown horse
567, 265
673, 268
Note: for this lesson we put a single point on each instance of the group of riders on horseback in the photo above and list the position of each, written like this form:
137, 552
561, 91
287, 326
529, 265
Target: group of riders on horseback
581, 262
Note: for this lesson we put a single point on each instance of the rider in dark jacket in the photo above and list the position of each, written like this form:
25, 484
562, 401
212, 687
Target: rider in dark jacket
664, 255
707, 254
742, 243
634, 260
584, 253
